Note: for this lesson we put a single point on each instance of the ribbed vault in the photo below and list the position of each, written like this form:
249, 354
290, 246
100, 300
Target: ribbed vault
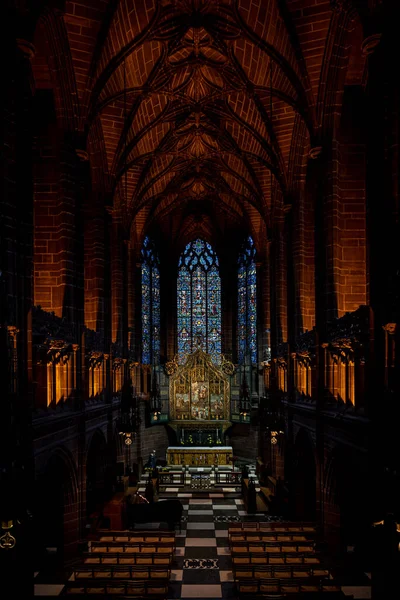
199, 101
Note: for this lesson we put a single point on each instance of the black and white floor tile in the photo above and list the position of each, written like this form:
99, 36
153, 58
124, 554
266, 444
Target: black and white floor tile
206, 570
202, 566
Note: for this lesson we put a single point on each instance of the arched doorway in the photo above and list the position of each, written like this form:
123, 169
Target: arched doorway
97, 481
57, 515
304, 478
347, 514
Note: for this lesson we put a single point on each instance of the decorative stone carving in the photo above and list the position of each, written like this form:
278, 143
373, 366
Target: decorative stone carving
116, 350
172, 366
118, 363
282, 350
227, 366
315, 152
82, 154
390, 328
95, 359
94, 341
350, 330
306, 342
47, 326
27, 48
370, 43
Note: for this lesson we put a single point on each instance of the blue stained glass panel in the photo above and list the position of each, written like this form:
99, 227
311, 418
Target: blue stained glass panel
150, 304
199, 301
247, 303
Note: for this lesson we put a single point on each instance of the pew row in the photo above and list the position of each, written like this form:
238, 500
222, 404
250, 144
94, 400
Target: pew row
147, 547
267, 558
276, 586
273, 547
259, 536
141, 572
126, 558
279, 572
136, 536
99, 589
275, 527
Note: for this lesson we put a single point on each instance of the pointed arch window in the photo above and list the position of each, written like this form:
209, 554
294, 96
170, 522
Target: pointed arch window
247, 303
150, 304
199, 300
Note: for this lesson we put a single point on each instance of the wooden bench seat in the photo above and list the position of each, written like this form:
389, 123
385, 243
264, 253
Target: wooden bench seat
140, 589
272, 547
264, 536
148, 547
274, 526
254, 571
121, 572
127, 558
278, 586
267, 558
136, 536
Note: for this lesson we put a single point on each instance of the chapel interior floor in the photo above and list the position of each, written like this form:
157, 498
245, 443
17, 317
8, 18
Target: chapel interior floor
202, 565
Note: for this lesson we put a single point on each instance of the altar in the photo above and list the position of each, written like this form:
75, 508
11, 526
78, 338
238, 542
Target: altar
198, 456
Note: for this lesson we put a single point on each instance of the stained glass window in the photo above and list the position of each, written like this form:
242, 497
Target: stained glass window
247, 303
150, 304
199, 301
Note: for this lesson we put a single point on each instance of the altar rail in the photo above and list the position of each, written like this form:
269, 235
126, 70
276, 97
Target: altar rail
226, 478
172, 478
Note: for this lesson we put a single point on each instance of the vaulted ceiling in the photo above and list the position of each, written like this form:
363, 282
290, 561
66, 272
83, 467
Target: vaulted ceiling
206, 109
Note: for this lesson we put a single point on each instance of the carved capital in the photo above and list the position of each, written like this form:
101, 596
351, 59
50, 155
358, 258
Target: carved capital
12, 331
95, 359
315, 152
370, 43
82, 154
390, 328
27, 48
117, 363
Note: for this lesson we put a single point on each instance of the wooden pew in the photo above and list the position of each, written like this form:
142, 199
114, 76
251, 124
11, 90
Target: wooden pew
116, 589
264, 536
267, 558
141, 572
274, 526
273, 547
136, 536
254, 571
258, 587
127, 558
132, 547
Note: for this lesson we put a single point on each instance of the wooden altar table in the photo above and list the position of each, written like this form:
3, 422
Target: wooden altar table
197, 456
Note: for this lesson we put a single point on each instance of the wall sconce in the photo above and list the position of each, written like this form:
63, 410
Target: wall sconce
274, 437
128, 439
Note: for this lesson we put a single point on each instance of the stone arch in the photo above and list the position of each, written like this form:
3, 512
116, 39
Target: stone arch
304, 477
58, 506
346, 498
97, 465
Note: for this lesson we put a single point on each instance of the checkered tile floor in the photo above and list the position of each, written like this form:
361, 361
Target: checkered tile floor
202, 565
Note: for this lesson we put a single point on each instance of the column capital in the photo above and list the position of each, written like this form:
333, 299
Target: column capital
26, 47
315, 152
82, 154
390, 328
370, 43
